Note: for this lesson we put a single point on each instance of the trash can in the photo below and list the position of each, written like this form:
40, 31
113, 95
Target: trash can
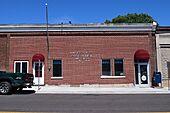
157, 78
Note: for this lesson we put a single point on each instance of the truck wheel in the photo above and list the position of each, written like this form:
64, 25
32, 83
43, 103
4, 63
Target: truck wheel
5, 88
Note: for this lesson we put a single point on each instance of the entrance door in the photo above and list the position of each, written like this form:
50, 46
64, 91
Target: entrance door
142, 74
38, 71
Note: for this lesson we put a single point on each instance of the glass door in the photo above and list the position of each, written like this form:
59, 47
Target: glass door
38, 72
142, 74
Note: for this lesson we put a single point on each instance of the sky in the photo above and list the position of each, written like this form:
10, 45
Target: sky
80, 11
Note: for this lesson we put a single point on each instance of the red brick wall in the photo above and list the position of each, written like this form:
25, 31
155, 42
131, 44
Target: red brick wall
4, 53
82, 54
23, 48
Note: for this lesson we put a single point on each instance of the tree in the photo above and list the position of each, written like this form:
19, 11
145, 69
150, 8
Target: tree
132, 18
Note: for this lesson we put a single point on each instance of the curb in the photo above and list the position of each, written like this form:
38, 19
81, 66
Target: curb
97, 90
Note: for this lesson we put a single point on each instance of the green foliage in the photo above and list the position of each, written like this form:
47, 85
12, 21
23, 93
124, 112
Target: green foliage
132, 18
107, 21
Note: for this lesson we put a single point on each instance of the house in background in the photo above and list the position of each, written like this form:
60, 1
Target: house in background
88, 54
163, 52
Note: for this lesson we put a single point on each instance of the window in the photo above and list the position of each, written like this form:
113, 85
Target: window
118, 67
106, 67
21, 66
38, 69
57, 68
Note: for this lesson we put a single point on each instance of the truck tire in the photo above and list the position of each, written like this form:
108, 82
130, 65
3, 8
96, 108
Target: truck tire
5, 88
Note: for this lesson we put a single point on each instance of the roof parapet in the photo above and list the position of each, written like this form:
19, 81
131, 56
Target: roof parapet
77, 27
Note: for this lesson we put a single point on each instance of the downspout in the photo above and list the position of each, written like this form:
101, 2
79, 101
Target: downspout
155, 45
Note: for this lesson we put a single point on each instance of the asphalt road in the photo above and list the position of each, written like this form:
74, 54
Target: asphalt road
31, 102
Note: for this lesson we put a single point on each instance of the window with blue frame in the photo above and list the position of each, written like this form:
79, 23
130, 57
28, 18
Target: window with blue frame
118, 64
57, 68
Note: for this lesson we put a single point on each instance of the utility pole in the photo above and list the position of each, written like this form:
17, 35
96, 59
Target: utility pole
47, 40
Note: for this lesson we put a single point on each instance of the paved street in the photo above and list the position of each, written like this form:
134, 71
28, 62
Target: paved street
86, 103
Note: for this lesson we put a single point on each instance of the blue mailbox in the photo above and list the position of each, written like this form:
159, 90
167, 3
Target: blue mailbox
157, 77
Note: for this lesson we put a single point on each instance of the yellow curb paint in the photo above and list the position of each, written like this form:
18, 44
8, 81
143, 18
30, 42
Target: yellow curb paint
146, 112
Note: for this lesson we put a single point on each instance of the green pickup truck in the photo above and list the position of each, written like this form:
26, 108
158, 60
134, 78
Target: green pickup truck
14, 81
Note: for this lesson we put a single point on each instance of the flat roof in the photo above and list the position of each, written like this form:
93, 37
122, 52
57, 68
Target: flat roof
76, 27
163, 29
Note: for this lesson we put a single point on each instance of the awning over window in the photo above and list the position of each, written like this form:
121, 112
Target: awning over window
38, 57
141, 54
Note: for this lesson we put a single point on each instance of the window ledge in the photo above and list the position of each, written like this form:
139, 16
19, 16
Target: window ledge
118, 76
105, 77
56, 78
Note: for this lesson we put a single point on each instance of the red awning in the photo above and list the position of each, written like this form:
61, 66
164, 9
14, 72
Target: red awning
38, 57
141, 54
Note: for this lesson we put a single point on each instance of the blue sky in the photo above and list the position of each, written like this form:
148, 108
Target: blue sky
80, 11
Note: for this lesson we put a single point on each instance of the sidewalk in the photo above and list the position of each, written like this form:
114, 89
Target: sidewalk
51, 89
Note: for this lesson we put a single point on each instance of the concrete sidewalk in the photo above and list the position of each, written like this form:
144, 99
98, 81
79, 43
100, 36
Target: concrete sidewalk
51, 89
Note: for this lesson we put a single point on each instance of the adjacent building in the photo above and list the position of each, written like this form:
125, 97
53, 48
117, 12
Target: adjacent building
163, 52
88, 54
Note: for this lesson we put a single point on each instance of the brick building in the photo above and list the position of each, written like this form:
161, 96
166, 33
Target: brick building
4, 50
163, 52
120, 54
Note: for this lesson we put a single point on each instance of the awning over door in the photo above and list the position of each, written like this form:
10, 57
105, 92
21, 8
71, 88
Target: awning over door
38, 57
141, 54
